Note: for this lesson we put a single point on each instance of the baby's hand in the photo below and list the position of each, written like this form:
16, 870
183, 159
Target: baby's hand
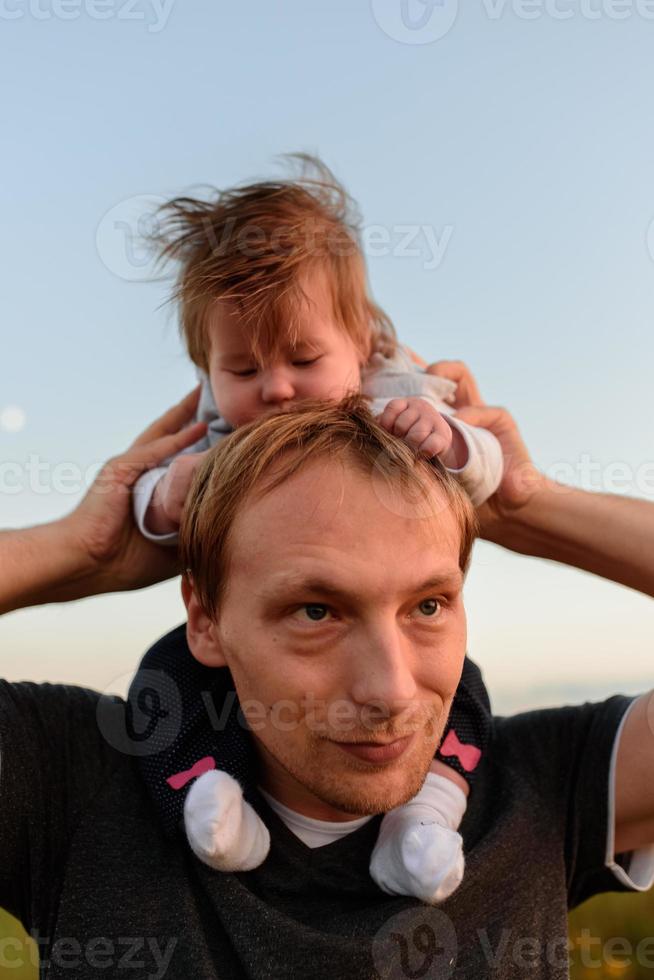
164, 515
425, 430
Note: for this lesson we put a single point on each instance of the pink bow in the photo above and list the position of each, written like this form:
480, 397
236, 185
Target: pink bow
182, 778
468, 755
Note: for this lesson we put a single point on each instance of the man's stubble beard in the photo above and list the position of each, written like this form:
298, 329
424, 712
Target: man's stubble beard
344, 791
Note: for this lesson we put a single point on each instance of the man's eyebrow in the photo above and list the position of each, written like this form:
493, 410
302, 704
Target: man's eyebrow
321, 586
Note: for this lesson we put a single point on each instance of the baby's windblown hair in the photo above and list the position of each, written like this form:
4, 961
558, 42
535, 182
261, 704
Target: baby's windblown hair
255, 244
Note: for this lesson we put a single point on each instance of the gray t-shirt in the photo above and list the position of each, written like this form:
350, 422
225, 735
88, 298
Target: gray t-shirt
87, 869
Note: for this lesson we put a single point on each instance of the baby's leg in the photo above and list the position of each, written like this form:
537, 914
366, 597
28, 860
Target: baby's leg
198, 756
419, 851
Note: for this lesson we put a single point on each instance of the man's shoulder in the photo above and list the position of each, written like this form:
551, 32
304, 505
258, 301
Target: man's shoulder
548, 745
567, 726
59, 726
46, 704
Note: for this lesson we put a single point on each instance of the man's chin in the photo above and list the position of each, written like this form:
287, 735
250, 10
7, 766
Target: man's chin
368, 800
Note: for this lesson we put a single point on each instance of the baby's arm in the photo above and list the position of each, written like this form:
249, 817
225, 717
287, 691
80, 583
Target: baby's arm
160, 495
480, 473
472, 454
423, 427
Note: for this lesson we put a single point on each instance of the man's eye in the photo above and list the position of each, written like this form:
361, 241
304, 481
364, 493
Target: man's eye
315, 612
430, 608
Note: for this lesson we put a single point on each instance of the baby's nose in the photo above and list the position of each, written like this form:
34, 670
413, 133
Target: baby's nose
277, 387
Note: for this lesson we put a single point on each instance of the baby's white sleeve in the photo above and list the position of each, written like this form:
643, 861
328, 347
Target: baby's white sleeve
481, 475
145, 485
141, 497
144, 488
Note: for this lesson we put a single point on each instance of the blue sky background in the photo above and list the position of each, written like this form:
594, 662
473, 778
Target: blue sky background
525, 145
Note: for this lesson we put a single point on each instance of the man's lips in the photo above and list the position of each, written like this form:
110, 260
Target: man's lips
377, 752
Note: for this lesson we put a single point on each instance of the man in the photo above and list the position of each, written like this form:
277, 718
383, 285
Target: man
337, 576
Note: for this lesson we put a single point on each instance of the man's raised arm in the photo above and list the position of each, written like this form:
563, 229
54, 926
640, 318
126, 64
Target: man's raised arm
97, 548
608, 535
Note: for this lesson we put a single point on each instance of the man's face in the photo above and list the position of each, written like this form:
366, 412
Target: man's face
324, 363
343, 626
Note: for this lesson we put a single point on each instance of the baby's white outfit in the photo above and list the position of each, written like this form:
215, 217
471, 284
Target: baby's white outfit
382, 379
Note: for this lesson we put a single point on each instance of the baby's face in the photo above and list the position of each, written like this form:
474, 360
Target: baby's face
325, 363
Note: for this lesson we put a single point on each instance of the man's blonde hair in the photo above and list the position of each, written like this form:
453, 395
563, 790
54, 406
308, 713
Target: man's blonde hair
265, 453
255, 245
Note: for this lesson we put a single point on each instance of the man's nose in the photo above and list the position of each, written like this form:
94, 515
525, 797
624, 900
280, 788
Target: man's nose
382, 671
277, 386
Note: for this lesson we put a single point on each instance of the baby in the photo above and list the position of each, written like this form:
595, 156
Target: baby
275, 310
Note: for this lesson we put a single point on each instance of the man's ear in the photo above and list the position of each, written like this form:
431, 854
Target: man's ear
201, 631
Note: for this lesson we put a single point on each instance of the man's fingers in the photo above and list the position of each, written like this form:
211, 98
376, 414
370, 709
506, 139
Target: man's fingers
416, 358
146, 456
126, 469
467, 391
171, 421
490, 417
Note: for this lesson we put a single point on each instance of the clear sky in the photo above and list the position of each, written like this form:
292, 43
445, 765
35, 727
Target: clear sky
513, 141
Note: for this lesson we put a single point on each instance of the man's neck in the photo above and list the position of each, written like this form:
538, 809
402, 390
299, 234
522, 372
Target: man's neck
313, 832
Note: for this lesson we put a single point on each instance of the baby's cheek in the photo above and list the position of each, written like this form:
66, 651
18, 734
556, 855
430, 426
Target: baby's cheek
230, 403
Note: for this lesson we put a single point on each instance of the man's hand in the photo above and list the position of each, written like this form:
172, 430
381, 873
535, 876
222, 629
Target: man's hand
520, 478
164, 515
98, 547
118, 555
467, 390
423, 428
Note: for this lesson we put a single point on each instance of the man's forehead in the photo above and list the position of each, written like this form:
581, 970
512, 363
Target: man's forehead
325, 579
331, 512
